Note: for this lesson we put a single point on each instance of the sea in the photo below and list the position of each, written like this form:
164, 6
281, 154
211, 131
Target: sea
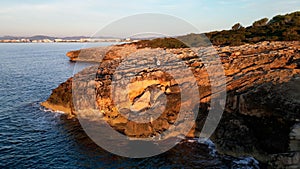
34, 137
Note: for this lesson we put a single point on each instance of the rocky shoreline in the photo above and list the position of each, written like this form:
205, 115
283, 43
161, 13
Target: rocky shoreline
262, 112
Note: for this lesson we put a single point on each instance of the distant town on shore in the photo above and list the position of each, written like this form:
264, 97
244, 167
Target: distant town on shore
49, 39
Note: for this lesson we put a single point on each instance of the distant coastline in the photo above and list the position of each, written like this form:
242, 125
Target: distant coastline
59, 40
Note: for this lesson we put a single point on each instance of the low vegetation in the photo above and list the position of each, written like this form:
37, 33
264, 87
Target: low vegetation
279, 28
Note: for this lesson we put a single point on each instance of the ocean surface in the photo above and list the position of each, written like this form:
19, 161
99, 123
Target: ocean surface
31, 137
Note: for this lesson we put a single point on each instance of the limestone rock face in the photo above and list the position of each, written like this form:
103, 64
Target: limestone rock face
61, 98
142, 103
262, 82
97, 54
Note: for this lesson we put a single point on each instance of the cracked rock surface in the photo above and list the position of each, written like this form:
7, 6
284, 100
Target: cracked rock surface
262, 111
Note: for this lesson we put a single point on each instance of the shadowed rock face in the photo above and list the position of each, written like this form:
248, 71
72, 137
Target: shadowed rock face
61, 98
263, 101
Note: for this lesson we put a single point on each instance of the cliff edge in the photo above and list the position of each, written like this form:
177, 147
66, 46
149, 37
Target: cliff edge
262, 112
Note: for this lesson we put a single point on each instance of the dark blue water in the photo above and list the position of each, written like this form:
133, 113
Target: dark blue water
33, 138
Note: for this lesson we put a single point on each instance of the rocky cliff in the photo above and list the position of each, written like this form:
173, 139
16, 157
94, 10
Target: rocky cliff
262, 112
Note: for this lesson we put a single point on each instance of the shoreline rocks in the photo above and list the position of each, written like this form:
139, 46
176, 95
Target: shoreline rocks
263, 102
61, 99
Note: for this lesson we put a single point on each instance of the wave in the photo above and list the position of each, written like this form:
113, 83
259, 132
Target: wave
50, 110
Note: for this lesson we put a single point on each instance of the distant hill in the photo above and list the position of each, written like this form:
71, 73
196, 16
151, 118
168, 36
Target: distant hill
41, 37
279, 28
9, 37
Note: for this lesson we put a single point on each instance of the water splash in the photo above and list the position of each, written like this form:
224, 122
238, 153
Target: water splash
210, 144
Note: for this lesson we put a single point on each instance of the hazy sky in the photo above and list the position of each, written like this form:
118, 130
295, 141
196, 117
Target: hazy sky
85, 17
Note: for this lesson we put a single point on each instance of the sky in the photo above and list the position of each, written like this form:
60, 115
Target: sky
77, 17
